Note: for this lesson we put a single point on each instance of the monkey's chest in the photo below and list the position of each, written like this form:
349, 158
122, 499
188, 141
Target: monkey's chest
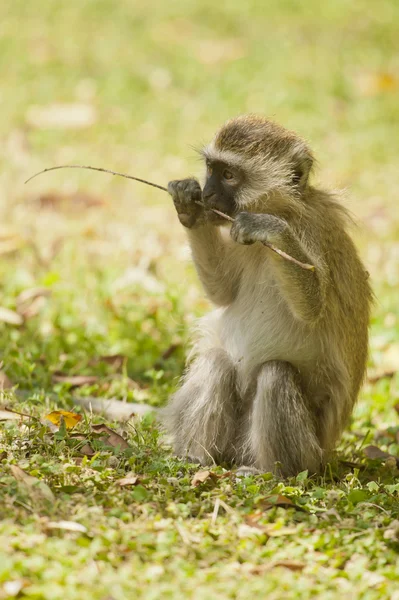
259, 327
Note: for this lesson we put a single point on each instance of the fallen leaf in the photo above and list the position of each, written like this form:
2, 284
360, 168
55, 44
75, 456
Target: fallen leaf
292, 565
10, 316
14, 587
277, 500
202, 477
130, 479
62, 116
75, 380
114, 360
76, 201
272, 531
31, 301
32, 293
5, 382
111, 438
112, 408
167, 354
11, 245
66, 526
375, 377
85, 449
71, 419
254, 527
36, 488
375, 453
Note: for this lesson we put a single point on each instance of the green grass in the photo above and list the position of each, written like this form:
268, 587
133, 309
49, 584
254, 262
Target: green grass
160, 78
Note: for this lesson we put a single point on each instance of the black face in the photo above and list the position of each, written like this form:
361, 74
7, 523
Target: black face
222, 184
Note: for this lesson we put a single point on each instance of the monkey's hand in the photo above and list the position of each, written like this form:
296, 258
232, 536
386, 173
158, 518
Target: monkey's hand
249, 228
185, 193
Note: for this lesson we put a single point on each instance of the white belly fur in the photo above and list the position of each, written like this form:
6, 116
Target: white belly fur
257, 327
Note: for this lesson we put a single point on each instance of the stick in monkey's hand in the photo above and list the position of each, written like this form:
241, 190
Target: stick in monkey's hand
281, 253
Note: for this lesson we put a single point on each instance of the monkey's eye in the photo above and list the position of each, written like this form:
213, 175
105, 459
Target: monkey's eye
228, 174
209, 169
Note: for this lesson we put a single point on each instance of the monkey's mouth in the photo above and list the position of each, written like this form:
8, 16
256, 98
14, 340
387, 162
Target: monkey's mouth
222, 207
215, 218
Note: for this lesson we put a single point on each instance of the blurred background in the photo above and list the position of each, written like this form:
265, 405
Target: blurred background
92, 265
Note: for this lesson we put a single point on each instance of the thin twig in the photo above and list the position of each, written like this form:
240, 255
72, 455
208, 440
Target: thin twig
21, 414
160, 187
272, 247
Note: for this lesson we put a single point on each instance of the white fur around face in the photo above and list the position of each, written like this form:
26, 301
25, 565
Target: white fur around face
267, 176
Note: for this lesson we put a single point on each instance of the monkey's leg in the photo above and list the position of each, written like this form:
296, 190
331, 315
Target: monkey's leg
201, 416
282, 428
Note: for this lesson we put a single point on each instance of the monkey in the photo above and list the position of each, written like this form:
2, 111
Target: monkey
278, 363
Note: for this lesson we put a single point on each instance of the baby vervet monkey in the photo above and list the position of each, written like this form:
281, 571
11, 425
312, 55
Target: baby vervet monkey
277, 365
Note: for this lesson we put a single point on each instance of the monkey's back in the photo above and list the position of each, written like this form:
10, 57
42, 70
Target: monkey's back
345, 319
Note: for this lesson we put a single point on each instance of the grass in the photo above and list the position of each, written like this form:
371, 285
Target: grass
113, 274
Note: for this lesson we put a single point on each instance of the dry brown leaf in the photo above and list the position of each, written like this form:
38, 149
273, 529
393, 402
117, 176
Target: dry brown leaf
252, 526
32, 293
11, 245
13, 588
375, 453
377, 376
202, 477
10, 316
71, 419
292, 565
76, 201
130, 479
37, 489
272, 531
112, 408
66, 526
31, 301
114, 360
111, 437
86, 449
277, 500
371, 84
33, 309
75, 380
5, 382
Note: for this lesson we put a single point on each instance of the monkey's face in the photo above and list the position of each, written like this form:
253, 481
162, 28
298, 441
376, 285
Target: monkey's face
221, 186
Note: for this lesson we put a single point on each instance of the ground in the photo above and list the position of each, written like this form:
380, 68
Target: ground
95, 272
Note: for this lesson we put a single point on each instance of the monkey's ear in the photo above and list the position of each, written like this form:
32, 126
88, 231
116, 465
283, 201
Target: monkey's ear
303, 162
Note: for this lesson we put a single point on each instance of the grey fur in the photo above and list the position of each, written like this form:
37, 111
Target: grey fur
278, 364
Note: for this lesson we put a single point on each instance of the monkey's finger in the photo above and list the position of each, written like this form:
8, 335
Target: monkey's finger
187, 220
172, 187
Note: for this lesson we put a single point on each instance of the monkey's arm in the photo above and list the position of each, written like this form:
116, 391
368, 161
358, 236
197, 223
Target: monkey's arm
304, 290
216, 271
